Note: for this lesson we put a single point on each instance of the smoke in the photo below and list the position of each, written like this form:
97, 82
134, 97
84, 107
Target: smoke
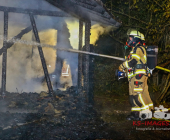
73, 27
64, 41
96, 30
24, 68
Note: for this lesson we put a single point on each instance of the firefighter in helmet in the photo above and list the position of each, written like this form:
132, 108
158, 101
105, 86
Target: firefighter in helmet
136, 68
66, 77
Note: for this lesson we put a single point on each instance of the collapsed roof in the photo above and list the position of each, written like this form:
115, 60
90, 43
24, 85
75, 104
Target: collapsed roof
93, 10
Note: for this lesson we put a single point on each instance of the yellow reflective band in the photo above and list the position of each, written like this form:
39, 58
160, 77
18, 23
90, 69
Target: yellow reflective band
131, 75
65, 73
145, 57
138, 89
145, 107
151, 104
140, 71
137, 72
136, 56
131, 52
135, 109
126, 63
141, 99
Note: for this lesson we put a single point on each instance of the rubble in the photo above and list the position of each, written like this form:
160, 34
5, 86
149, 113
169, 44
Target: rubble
49, 109
68, 118
43, 94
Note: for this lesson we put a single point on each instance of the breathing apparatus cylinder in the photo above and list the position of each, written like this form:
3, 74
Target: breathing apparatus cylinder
152, 54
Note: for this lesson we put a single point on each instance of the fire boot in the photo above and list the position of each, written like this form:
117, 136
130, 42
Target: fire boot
133, 116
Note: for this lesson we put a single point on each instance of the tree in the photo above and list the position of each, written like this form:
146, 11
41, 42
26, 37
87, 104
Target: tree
151, 17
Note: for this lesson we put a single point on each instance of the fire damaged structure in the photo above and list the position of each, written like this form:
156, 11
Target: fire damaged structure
85, 11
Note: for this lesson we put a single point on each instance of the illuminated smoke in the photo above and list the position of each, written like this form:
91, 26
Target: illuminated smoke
96, 31
24, 68
27, 67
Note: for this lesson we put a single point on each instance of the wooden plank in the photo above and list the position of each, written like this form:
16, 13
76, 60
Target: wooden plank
79, 83
4, 58
42, 56
86, 72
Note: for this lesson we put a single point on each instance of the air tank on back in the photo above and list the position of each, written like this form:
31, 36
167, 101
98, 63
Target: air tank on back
152, 55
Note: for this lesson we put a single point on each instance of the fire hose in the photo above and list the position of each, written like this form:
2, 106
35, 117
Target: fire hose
71, 50
161, 68
106, 56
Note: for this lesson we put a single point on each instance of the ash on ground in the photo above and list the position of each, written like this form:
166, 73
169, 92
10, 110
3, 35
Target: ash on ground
33, 116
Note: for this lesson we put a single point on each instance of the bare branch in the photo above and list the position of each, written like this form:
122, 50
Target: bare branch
165, 88
135, 27
149, 22
158, 4
163, 30
117, 40
129, 16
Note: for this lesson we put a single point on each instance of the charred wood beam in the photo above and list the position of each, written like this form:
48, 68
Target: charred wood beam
73, 10
17, 37
34, 12
33, 46
86, 72
86, 12
80, 55
42, 56
59, 60
4, 59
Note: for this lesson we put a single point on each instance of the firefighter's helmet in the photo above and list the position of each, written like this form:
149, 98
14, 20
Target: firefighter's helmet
142, 37
133, 33
136, 37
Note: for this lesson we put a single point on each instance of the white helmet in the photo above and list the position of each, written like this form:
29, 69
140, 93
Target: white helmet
134, 33
136, 37
142, 37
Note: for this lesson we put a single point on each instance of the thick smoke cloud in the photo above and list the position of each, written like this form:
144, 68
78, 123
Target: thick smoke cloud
24, 68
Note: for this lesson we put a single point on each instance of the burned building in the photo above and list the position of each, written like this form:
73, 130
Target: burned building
48, 23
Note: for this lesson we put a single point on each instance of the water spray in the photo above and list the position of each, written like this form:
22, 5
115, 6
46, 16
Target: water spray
56, 48
66, 49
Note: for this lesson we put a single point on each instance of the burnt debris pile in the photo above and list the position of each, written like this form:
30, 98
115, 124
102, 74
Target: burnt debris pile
36, 116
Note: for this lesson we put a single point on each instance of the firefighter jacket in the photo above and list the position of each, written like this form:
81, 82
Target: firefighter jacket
136, 62
137, 76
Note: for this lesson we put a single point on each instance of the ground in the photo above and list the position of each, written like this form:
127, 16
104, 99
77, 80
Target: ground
114, 110
32, 116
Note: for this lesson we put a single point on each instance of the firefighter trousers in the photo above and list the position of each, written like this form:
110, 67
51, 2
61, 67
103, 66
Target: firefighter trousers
139, 95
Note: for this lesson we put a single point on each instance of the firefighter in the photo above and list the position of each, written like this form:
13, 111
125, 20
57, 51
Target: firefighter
136, 67
66, 78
